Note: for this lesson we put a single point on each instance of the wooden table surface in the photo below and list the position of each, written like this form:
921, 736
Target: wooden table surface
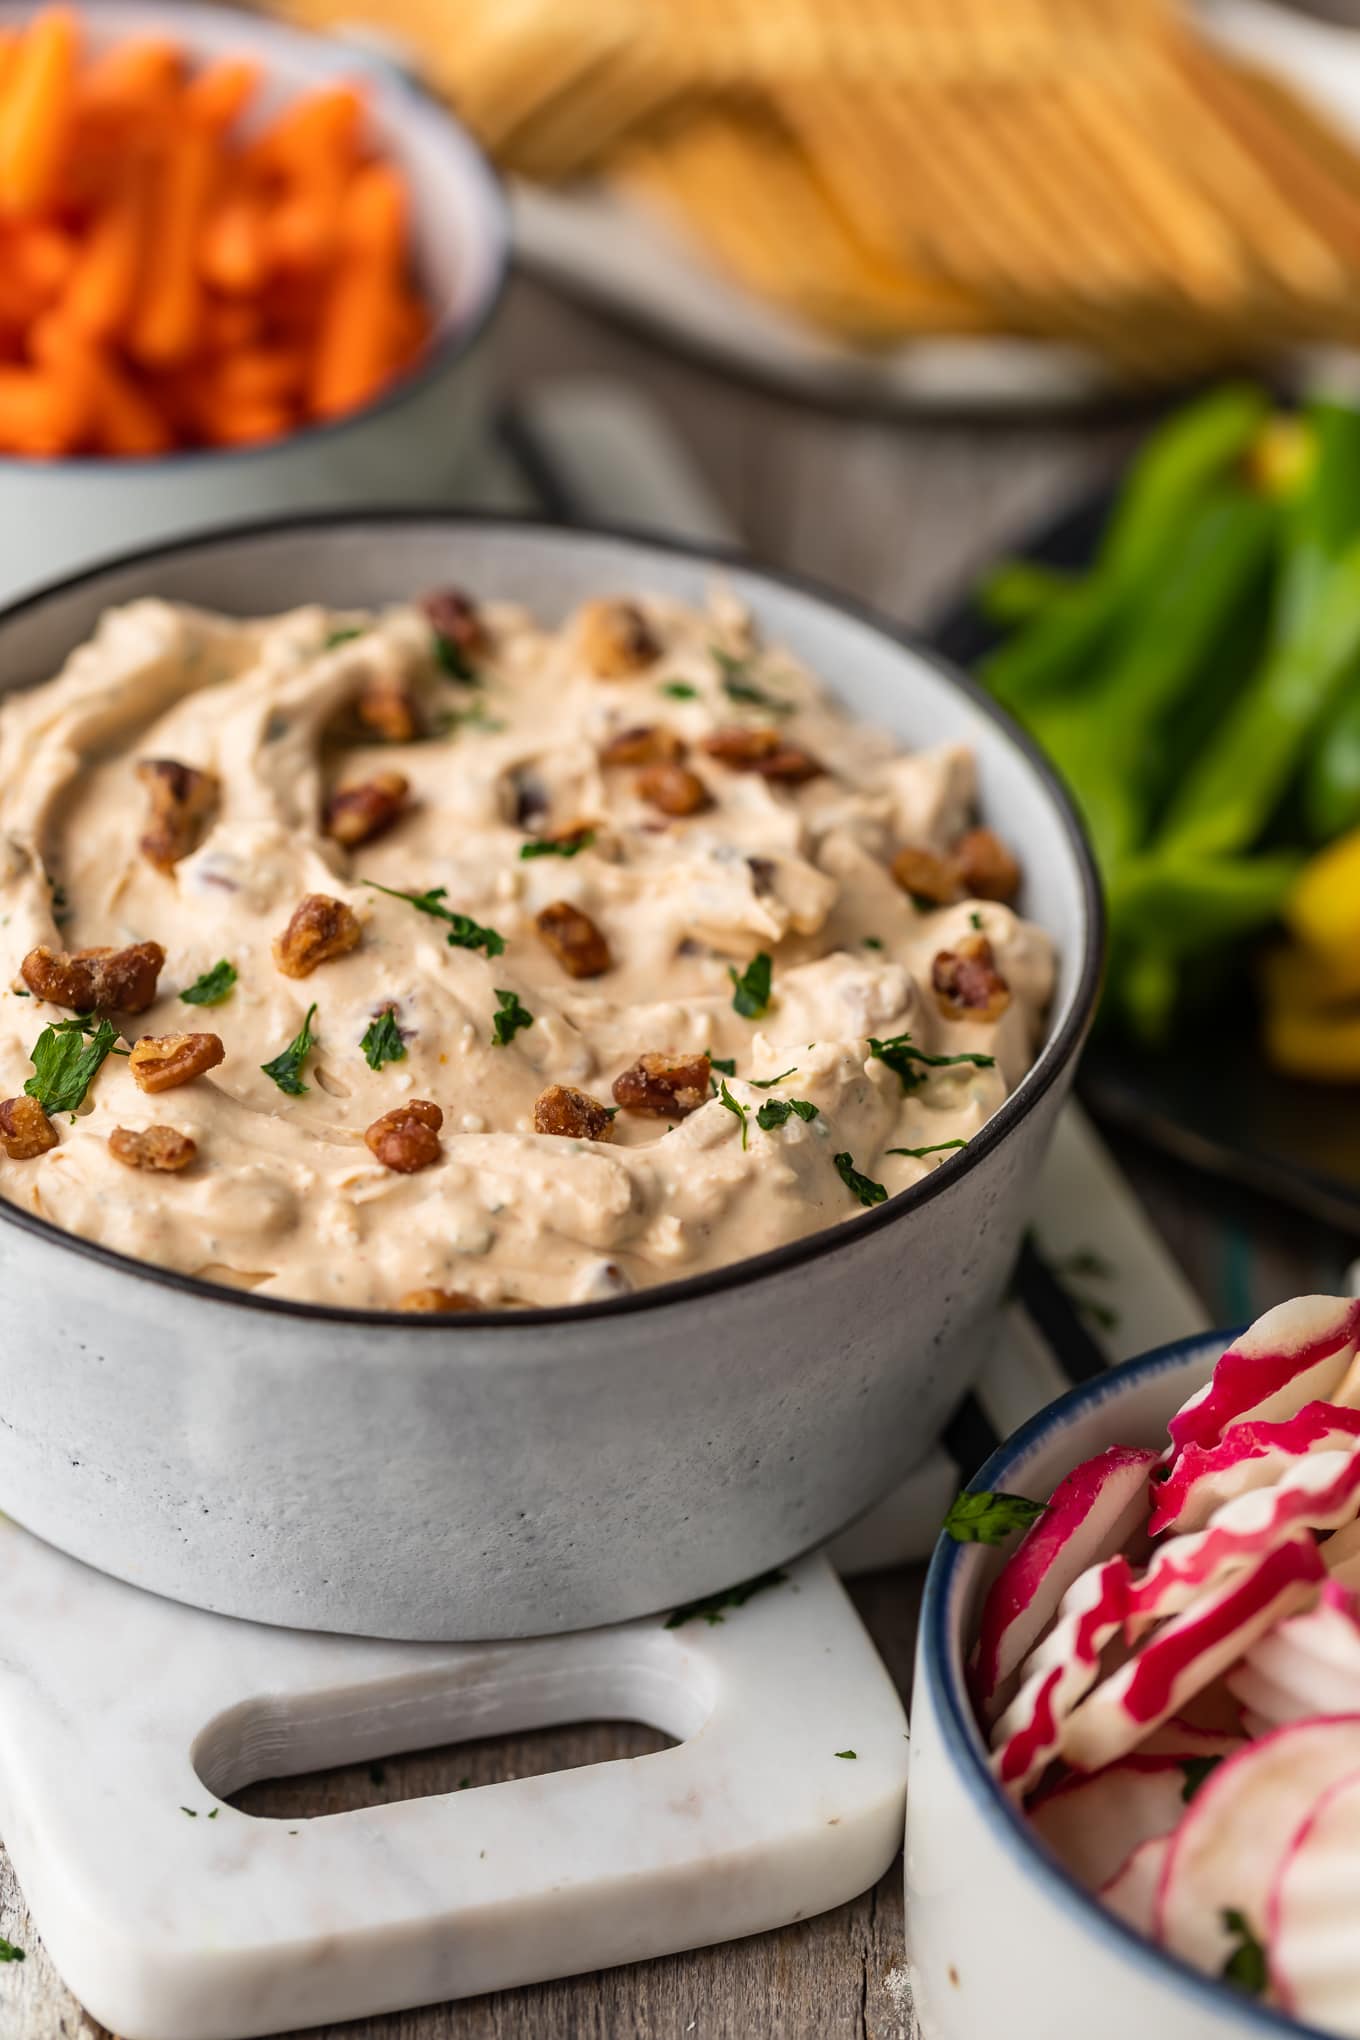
895, 512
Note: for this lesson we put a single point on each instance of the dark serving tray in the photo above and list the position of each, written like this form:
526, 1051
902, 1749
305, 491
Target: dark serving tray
1228, 1112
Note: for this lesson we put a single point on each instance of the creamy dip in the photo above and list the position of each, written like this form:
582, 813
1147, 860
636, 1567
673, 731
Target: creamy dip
284, 1196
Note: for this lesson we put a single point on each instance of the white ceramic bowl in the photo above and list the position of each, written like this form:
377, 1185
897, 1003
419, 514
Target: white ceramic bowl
1000, 1939
406, 447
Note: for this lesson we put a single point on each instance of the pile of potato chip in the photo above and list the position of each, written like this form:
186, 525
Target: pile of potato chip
1094, 172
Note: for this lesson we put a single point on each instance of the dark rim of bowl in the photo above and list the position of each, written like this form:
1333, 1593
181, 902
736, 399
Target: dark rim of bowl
943, 1669
451, 339
1056, 1054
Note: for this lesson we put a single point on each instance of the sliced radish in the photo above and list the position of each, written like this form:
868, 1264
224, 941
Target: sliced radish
1092, 1513
1184, 1739
1093, 1825
1250, 1455
1227, 1849
1056, 1675
1311, 1912
1298, 1353
1131, 1894
1317, 1492
1341, 1556
1304, 1667
1183, 1656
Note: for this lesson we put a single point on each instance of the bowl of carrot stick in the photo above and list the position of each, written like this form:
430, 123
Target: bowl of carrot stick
243, 270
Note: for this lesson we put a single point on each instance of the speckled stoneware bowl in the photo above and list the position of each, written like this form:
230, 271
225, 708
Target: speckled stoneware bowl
517, 1473
409, 446
1000, 1939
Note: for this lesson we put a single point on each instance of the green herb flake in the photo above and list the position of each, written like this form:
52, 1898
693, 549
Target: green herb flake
343, 636
739, 686
751, 987
873, 941
286, 1068
65, 1064
509, 1021
679, 690
9, 1952
851, 1754
212, 987
975, 919
558, 846
1196, 1770
908, 1063
864, 1187
726, 1098
710, 1609
451, 660
776, 1112
726, 1063
768, 1083
986, 1518
1246, 1965
937, 1147
464, 932
191, 1811
382, 1042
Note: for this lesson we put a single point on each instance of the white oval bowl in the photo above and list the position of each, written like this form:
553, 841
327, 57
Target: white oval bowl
999, 1938
408, 446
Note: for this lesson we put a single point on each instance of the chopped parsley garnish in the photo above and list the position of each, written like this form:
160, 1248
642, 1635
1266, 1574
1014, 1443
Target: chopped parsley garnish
739, 686
936, 1148
1246, 1965
732, 1104
464, 932
382, 1042
212, 987
558, 846
975, 919
985, 1518
768, 1083
509, 1020
452, 660
907, 1062
726, 1063
751, 987
680, 690
864, 1187
450, 720
65, 1064
710, 1609
776, 1111
1196, 1770
873, 942
191, 1811
286, 1068
847, 1753
8, 1951
341, 637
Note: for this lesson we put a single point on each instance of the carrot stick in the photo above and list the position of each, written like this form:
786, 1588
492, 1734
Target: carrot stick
246, 423
232, 245
227, 327
324, 122
35, 117
43, 257
219, 94
262, 374
121, 419
103, 286
166, 322
359, 339
131, 78
41, 411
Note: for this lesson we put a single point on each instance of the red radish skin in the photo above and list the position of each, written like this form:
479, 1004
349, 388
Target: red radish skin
1318, 1492
1057, 1674
1188, 1652
1307, 1666
1310, 1914
1131, 1894
1227, 1850
1093, 1511
1250, 1455
1093, 1825
1298, 1353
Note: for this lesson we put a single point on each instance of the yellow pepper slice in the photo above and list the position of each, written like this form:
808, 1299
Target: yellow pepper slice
1324, 908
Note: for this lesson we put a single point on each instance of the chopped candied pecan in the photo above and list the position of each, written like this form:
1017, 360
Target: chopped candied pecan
386, 706
95, 980
182, 800
432, 1300
673, 790
574, 940
762, 750
159, 1147
667, 1086
563, 1109
986, 868
25, 1129
356, 814
455, 616
320, 929
967, 983
407, 1138
159, 1062
648, 744
926, 876
617, 639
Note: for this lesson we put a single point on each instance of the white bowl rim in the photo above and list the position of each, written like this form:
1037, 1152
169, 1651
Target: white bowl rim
941, 1661
448, 343
1058, 1051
